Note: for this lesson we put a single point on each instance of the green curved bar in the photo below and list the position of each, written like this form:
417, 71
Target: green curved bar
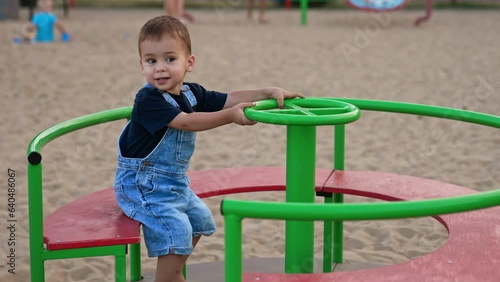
424, 110
62, 128
360, 211
35, 195
235, 211
305, 111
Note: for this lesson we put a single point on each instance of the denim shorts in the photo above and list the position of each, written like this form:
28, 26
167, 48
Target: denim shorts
170, 213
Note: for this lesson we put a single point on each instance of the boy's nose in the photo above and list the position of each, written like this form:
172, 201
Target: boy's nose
161, 67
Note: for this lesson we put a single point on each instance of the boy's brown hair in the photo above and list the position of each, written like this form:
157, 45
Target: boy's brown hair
158, 27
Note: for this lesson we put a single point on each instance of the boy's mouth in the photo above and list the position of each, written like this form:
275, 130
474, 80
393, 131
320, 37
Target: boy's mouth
161, 79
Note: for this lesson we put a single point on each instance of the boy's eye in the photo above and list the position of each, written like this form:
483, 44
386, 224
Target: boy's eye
151, 61
170, 59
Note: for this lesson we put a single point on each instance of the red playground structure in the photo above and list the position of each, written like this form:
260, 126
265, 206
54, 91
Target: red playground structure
387, 6
373, 6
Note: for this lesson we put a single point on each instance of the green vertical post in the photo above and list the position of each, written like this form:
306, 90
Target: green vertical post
135, 262
338, 158
338, 164
327, 241
338, 233
36, 222
233, 242
120, 268
303, 11
300, 173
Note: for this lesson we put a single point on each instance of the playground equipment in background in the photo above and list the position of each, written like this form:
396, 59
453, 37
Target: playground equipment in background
373, 6
366, 5
93, 225
376, 6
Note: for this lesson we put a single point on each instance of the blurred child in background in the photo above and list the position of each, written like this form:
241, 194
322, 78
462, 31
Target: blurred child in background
43, 23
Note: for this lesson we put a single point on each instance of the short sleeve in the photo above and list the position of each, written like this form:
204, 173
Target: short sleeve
53, 18
36, 19
43, 18
208, 101
152, 111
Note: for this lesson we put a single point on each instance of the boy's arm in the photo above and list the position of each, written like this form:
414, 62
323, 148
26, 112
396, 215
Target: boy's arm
253, 95
59, 27
233, 110
64, 35
30, 31
199, 121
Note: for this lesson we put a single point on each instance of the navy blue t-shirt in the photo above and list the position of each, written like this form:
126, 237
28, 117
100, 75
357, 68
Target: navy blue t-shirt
151, 114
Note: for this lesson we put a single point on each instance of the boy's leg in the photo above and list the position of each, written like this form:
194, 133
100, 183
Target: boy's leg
170, 7
262, 12
249, 9
180, 8
169, 267
181, 12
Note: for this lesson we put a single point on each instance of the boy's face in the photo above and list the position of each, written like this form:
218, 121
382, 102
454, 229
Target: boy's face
164, 63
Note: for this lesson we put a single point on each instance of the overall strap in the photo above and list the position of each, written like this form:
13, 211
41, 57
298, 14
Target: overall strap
170, 99
187, 92
189, 95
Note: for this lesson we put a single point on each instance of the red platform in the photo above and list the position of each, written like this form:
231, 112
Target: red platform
92, 220
471, 253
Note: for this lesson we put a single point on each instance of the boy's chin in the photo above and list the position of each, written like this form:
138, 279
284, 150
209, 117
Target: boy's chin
166, 89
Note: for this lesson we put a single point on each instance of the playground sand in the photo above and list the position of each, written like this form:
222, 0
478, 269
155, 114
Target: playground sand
451, 61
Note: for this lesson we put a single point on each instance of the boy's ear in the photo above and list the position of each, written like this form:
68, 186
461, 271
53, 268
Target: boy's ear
191, 63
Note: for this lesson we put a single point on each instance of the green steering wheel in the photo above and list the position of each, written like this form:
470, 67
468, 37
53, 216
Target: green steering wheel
304, 111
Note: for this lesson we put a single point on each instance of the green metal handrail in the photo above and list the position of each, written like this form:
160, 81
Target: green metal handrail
38, 253
425, 110
235, 211
360, 211
68, 126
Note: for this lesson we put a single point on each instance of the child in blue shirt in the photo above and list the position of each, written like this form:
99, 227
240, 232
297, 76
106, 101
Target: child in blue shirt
156, 145
41, 29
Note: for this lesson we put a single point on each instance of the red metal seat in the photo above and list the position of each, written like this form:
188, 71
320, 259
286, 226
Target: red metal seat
92, 220
470, 253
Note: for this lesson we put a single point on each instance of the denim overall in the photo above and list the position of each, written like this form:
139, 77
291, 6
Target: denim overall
155, 191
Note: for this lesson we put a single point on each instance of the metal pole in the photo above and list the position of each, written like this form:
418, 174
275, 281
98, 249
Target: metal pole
338, 164
303, 11
234, 255
300, 173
